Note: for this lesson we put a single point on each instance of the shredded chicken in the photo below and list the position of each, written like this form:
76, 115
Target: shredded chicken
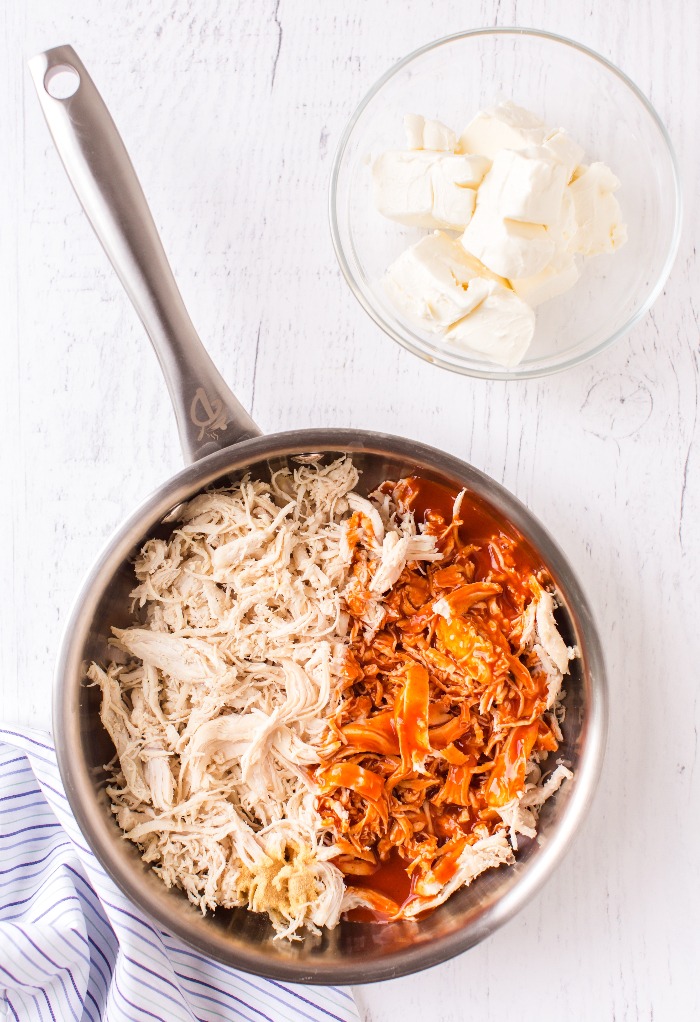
218, 697
310, 682
450, 706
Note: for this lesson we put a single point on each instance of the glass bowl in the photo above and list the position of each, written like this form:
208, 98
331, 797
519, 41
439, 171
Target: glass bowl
568, 86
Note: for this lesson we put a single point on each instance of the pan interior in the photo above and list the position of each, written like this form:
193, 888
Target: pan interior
353, 952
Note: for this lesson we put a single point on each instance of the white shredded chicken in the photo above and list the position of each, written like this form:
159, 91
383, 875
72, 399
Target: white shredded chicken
221, 694
540, 633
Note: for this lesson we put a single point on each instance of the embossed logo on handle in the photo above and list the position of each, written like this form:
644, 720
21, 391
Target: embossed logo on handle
210, 416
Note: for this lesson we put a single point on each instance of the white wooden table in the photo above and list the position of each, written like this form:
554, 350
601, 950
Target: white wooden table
232, 112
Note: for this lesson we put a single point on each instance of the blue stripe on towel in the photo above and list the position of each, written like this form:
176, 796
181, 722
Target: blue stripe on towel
73, 947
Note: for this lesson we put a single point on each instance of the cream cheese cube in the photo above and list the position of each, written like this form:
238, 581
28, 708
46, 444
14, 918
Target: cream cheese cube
561, 146
506, 126
509, 248
403, 186
455, 180
422, 133
556, 278
598, 215
526, 184
435, 282
566, 229
500, 327
453, 204
427, 189
464, 169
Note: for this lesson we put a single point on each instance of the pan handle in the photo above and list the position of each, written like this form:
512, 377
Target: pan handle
209, 416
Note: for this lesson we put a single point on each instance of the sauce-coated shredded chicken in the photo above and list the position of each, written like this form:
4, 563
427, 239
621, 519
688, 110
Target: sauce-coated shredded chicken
448, 709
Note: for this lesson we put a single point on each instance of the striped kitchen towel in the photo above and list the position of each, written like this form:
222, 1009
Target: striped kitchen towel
72, 947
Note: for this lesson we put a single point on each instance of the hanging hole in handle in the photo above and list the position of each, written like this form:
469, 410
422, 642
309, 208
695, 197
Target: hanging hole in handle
61, 81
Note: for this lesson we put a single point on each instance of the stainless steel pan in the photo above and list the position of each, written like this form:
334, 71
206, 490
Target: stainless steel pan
220, 442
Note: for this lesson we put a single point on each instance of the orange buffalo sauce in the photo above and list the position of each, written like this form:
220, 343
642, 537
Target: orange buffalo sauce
390, 880
443, 708
479, 524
